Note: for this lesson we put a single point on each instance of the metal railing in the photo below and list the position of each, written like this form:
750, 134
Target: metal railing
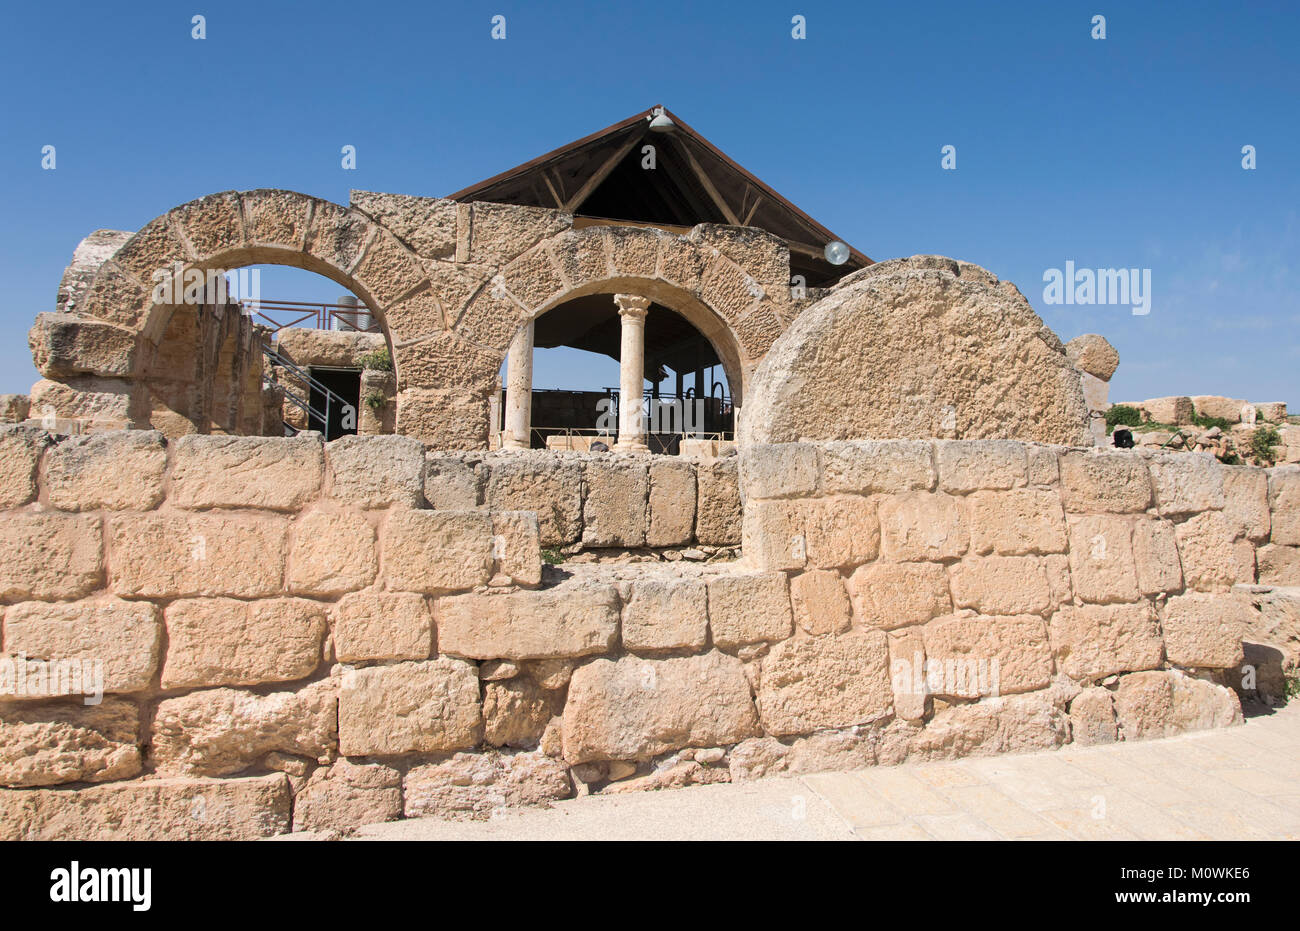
314, 316
304, 404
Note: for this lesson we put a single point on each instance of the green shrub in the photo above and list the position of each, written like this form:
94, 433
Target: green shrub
1263, 444
1122, 415
552, 557
377, 361
375, 401
1205, 423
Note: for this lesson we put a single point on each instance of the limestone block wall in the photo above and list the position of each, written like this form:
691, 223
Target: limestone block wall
291, 634
597, 500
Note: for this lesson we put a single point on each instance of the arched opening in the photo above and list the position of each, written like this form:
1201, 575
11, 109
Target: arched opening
573, 371
266, 349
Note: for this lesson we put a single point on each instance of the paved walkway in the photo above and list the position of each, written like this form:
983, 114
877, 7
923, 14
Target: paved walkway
1236, 784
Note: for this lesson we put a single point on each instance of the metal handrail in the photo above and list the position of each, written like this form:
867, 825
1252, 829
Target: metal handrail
274, 358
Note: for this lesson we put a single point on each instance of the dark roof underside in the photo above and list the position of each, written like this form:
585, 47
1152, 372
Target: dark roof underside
602, 177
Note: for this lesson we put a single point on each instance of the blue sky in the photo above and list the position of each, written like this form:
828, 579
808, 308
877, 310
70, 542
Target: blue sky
1124, 152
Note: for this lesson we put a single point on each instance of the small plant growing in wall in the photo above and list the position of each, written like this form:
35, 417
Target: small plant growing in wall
375, 401
1263, 444
1122, 415
377, 361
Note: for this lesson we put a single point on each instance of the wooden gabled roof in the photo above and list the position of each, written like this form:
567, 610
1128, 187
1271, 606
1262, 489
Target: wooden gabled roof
600, 176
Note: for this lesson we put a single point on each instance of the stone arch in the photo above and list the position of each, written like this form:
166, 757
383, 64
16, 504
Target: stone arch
113, 306
913, 349
741, 309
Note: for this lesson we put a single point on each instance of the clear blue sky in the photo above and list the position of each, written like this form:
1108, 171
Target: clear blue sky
1122, 152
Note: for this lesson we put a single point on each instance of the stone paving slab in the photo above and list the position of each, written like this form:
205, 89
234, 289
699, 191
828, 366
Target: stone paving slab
1237, 784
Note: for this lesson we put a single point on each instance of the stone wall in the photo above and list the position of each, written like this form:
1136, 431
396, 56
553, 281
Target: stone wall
299, 635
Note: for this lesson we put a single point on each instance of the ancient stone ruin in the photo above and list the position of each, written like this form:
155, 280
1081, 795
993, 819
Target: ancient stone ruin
911, 545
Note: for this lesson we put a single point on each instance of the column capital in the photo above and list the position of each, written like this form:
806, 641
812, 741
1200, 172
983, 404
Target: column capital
633, 306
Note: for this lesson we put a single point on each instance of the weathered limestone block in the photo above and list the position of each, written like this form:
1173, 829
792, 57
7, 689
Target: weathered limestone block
1092, 718
1205, 630
516, 712
1044, 467
749, 608
426, 224
1175, 410
216, 732
437, 551
279, 473
1279, 565
1104, 481
106, 470
1155, 555
451, 483
338, 348
1272, 411
99, 403
821, 605
1206, 552
907, 673
1245, 496
923, 526
377, 471
772, 534
549, 487
347, 795
810, 683
46, 556
572, 619
970, 465
841, 531
614, 513
760, 254
672, 503
1208, 405
445, 418
718, 518
916, 352
1016, 724
502, 231
123, 638
878, 466
222, 641
474, 785
1001, 585
1016, 522
1101, 559
90, 254
424, 707
1093, 354
49, 744
981, 656
889, 595
20, 453
332, 552
1165, 703
150, 809
633, 709
1095, 641
175, 555
64, 345
666, 614
516, 546
1284, 503
1187, 483
780, 470
382, 625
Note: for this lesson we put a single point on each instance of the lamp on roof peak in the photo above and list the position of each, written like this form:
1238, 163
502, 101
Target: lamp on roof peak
660, 122
836, 252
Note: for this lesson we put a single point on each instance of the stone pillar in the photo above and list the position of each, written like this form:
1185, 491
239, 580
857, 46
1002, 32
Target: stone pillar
631, 373
519, 390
